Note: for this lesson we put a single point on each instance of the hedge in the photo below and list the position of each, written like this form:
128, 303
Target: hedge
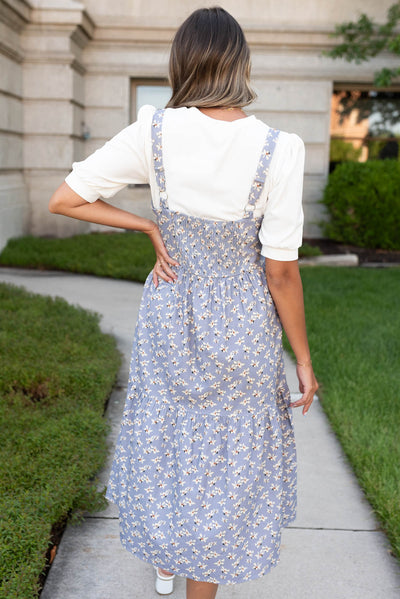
363, 203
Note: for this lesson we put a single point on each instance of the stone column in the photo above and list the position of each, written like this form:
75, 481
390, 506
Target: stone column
53, 91
14, 208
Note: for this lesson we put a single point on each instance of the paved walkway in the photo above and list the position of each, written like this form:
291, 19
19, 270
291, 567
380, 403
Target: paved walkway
333, 550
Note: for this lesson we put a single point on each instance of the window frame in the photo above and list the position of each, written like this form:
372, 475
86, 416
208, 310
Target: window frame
135, 82
339, 86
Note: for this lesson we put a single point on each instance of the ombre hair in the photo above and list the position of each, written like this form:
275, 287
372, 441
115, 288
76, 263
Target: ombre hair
209, 64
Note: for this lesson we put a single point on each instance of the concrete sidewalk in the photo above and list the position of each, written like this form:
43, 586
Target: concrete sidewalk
334, 549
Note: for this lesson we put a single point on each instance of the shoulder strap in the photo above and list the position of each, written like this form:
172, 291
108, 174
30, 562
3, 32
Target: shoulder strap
262, 170
156, 138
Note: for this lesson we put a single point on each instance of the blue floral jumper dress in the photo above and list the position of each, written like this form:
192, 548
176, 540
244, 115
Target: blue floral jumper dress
205, 466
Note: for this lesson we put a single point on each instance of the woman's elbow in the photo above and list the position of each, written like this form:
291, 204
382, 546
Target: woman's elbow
64, 199
280, 273
55, 204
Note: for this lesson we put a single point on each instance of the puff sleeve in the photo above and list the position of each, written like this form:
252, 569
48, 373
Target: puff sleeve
120, 161
281, 229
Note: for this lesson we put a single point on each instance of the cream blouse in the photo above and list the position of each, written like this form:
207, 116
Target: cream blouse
209, 167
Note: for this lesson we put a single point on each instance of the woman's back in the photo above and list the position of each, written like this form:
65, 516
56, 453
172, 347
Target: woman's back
210, 165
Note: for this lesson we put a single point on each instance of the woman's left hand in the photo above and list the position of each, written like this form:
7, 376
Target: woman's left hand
308, 386
161, 268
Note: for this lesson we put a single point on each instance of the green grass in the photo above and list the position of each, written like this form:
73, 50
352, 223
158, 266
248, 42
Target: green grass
353, 323
117, 255
57, 371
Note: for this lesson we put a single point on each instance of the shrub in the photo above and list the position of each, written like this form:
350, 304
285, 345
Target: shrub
307, 251
341, 150
363, 202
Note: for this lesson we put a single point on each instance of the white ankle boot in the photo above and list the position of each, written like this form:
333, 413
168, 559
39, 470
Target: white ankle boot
164, 584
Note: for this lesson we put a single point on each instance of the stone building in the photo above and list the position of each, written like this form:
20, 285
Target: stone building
73, 73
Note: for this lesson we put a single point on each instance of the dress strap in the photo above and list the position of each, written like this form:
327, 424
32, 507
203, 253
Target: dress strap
262, 170
156, 138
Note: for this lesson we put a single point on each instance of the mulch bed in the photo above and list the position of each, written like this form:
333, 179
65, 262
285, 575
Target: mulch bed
364, 254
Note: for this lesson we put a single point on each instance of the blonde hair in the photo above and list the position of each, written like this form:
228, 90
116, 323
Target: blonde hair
209, 63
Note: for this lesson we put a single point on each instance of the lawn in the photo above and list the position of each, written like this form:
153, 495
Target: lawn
117, 255
57, 371
353, 322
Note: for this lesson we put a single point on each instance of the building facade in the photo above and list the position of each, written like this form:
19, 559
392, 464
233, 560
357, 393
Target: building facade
72, 74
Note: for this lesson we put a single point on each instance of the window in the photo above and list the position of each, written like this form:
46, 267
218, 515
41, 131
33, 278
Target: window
148, 91
365, 125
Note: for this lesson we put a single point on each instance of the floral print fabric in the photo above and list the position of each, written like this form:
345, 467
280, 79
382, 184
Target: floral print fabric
204, 471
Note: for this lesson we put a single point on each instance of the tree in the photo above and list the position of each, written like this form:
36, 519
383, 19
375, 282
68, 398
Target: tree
365, 39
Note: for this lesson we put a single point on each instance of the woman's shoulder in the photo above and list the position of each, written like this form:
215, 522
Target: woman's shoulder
289, 151
146, 112
293, 140
291, 148
285, 138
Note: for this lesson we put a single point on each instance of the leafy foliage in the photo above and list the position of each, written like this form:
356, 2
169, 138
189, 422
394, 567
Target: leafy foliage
341, 150
363, 202
365, 39
307, 251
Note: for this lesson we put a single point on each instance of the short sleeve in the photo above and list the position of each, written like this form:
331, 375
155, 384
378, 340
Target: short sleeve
119, 162
281, 229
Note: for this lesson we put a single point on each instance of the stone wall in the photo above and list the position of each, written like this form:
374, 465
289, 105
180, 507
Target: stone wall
14, 207
68, 67
53, 76
309, 14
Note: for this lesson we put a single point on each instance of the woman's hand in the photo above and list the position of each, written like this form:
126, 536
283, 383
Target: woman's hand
308, 386
161, 268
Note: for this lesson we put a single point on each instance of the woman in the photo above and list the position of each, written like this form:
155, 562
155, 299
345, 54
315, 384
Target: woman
204, 471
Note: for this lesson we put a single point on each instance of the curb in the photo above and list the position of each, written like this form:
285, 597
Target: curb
331, 260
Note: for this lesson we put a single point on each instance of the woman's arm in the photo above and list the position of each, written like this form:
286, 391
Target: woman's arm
67, 202
285, 286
